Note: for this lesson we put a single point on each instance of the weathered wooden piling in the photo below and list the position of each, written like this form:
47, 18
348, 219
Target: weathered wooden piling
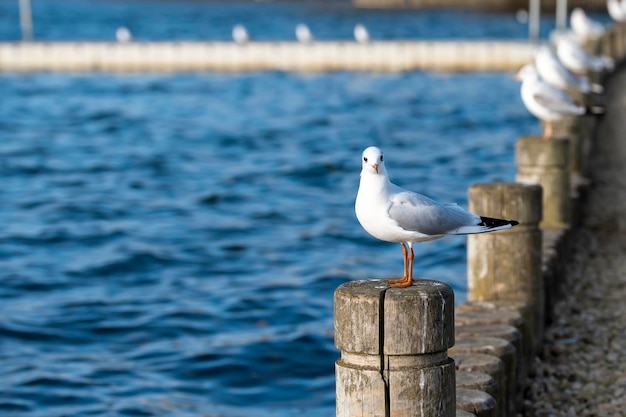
546, 162
394, 349
512, 335
506, 265
511, 277
612, 43
463, 413
503, 350
482, 363
472, 363
615, 42
479, 381
492, 314
476, 402
576, 129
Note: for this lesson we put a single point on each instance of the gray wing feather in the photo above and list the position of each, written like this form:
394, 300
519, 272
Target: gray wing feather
419, 213
557, 100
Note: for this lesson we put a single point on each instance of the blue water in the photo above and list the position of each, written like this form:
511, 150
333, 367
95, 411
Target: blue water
194, 20
170, 243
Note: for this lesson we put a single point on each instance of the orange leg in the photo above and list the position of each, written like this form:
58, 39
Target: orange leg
404, 277
547, 131
407, 281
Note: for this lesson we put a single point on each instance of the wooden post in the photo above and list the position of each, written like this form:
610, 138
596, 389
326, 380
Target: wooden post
577, 130
483, 363
476, 402
616, 42
511, 313
546, 162
506, 352
619, 29
510, 334
507, 265
394, 349
478, 381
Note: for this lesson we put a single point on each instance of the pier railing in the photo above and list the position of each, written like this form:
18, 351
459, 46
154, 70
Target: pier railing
376, 56
398, 346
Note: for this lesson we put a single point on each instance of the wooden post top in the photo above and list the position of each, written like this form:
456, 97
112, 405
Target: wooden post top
372, 318
507, 200
534, 151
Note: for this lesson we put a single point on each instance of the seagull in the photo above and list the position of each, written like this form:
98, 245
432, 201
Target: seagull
303, 34
617, 10
240, 34
521, 15
584, 27
547, 102
579, 61
360, 34
393, 214
123, 35
552, 71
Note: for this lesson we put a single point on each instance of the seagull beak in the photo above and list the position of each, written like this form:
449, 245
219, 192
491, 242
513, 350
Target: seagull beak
375, 166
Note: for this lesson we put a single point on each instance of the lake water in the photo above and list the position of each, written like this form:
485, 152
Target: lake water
170, 243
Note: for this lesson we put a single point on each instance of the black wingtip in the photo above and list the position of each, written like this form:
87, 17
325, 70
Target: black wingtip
491, 223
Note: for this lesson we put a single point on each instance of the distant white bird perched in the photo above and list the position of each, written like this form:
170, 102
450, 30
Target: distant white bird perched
303, 34
548, 103
521, 15
552, 71
584, 27
617, 10
579, 61
240, 34
122, 34
360, 34
393, 214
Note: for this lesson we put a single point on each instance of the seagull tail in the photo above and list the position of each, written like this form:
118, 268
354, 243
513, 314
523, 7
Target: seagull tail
487, 224
597, 109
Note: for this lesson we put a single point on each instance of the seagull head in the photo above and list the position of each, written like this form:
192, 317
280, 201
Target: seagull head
527, 72
373, 161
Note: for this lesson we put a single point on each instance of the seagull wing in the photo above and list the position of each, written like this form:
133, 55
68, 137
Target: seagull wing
418, 213
558, 101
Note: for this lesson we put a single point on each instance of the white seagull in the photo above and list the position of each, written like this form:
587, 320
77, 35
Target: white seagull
303, 33
240, 34
584, 27
617, 10
123, 35
360, 33
548, 103
579, 61
393, 214
554, 72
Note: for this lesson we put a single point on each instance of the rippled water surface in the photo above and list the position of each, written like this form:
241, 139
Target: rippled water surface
159, 20
170, 243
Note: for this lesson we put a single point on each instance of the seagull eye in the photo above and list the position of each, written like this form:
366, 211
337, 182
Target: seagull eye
365, 158
381, 158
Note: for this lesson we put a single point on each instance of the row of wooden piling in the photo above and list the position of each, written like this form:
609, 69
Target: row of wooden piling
406, 352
